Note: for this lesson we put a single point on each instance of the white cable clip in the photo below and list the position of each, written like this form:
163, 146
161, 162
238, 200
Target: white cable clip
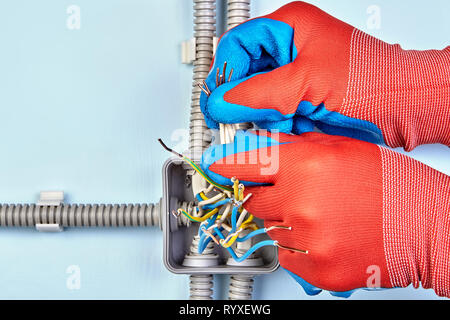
188, 51
50, 199
215, 43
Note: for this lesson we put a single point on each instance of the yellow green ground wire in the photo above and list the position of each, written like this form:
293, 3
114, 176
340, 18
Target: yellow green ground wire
203, 174
199, 219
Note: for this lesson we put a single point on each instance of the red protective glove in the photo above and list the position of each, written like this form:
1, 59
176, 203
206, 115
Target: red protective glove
299, 67
356, 207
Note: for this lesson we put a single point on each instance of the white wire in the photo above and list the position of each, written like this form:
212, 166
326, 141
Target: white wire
211, 200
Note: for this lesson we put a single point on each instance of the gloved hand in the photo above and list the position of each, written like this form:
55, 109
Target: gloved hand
368, 216
299, 67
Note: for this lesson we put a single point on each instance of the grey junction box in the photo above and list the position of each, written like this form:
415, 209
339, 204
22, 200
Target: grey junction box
177, 239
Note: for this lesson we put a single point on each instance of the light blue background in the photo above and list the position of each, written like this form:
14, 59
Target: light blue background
80, 111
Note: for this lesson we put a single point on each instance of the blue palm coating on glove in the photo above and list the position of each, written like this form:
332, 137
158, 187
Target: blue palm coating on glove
259, 46
256, 46
312, 290
309, 288
335, 123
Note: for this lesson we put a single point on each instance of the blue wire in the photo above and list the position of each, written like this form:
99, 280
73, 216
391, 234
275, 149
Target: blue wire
210, 221
251, 235
202, 245
250, 251
233, 219
217, 204
253, 249
203, 242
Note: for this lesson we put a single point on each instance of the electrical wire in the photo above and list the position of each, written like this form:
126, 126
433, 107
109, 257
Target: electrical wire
198, 219
250, 251
217, 204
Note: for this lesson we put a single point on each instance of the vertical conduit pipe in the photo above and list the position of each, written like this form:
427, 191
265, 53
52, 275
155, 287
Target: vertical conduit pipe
238, 11
204, 34
201, 287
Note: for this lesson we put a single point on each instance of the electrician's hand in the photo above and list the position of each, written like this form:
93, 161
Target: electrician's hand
368, 217
300, 67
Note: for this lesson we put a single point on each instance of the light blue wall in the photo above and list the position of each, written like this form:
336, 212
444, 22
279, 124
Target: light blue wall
80, 111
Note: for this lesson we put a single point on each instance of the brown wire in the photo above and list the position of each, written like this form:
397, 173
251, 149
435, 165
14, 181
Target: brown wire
168, 149
203, 89
217, 77
231, 73
206, 87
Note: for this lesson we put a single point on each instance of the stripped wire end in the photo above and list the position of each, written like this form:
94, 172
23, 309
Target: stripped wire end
209, 234
289, 248
169, 149
220, 79
175, 213
278, 227
204, 88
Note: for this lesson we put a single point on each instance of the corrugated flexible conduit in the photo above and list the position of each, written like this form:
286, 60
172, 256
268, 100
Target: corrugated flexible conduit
81, 215
201, 286
86, 215
204, 34
238, 11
